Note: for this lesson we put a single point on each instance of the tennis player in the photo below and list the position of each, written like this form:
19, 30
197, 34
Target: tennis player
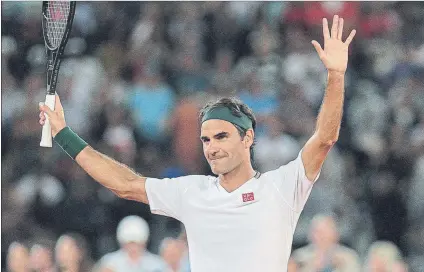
240, 220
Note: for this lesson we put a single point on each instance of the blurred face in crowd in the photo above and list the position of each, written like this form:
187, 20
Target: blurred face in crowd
172, 251
385, 256
17, 258
68, 254
323, 232
223, 147
40, 258
133, 249
376, 264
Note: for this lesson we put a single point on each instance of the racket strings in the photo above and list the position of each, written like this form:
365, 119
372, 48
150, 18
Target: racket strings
56, 18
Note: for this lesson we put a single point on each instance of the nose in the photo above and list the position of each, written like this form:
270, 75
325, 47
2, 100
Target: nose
211, 148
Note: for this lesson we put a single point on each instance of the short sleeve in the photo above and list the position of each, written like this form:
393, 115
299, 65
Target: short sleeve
292, 184
165, 195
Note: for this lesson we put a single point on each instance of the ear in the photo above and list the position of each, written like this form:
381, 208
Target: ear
248, 138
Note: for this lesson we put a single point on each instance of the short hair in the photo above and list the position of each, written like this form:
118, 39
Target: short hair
79, 241
237, 108
82, 244
387, 250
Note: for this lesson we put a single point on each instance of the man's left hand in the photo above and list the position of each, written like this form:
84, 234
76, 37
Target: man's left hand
335, 52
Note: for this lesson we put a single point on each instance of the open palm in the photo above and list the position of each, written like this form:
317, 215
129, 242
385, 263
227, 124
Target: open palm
335, 52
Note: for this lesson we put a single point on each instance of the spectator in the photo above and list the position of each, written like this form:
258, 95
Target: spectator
41, 258
324, 253
384, 256
18, 258
172, 251
276, 146
72, 254
132, 235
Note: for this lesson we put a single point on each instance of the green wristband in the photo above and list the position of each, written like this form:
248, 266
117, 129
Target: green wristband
70, 142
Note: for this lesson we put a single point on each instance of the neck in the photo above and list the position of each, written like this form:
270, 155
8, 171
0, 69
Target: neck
237, 177
325, 247
134, 258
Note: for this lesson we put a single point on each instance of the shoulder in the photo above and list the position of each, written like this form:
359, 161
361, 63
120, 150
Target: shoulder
199, 182
303, 252
111, 258
182, 183
154, 260
347, 251
290, 167
191, 179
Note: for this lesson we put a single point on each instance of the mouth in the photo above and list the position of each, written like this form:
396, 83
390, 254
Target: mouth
214, 159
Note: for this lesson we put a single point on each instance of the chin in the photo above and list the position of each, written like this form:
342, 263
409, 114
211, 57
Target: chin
216, 171
219, 171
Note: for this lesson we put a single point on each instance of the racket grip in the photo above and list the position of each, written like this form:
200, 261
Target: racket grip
46, 133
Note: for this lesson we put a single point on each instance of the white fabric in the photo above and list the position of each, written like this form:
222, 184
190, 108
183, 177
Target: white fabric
226, 234
118, 261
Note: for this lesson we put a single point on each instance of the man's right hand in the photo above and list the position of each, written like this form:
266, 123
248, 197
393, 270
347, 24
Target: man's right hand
56, 117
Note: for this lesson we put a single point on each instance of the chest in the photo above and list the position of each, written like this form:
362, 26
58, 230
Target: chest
243, 216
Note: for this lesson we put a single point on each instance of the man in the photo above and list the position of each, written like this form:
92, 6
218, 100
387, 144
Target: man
41, 258
17, 258
240, 220
325, 253
173, 253
132, 234
72, 253
384, 256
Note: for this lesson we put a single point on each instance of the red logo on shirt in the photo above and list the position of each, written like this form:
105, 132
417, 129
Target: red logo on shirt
248, 197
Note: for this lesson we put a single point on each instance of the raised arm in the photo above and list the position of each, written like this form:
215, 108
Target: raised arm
115, 176
335, 58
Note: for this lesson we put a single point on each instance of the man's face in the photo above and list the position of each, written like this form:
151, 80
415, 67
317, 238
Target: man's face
223, 147
324, 232
40, 258
18, 258
134, 249
67, 252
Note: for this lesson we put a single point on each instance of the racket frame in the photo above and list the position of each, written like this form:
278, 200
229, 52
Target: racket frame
54, 58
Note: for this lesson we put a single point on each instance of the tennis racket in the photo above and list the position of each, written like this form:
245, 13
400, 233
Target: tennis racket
57, 23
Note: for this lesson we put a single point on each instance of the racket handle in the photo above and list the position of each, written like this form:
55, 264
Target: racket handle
46, 133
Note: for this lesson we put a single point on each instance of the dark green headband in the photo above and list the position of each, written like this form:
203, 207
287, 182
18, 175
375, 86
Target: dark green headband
224, 113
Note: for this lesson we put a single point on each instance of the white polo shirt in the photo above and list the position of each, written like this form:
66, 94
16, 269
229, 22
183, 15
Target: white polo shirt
250, 229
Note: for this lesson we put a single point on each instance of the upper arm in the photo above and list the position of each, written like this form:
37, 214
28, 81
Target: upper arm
165, 195
313, 156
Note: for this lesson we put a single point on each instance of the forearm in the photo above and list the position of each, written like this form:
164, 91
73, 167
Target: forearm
330, 116
113, 175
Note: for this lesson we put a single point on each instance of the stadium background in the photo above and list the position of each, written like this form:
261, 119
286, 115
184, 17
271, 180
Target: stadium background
136, 73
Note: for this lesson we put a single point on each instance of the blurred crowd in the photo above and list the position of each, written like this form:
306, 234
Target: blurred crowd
133, 79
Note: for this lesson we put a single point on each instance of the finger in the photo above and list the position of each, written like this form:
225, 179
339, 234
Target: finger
318, 48
58, 104
45, 109
41, 115
340, 33
325, 29
335, 26
350, 37
42, 122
